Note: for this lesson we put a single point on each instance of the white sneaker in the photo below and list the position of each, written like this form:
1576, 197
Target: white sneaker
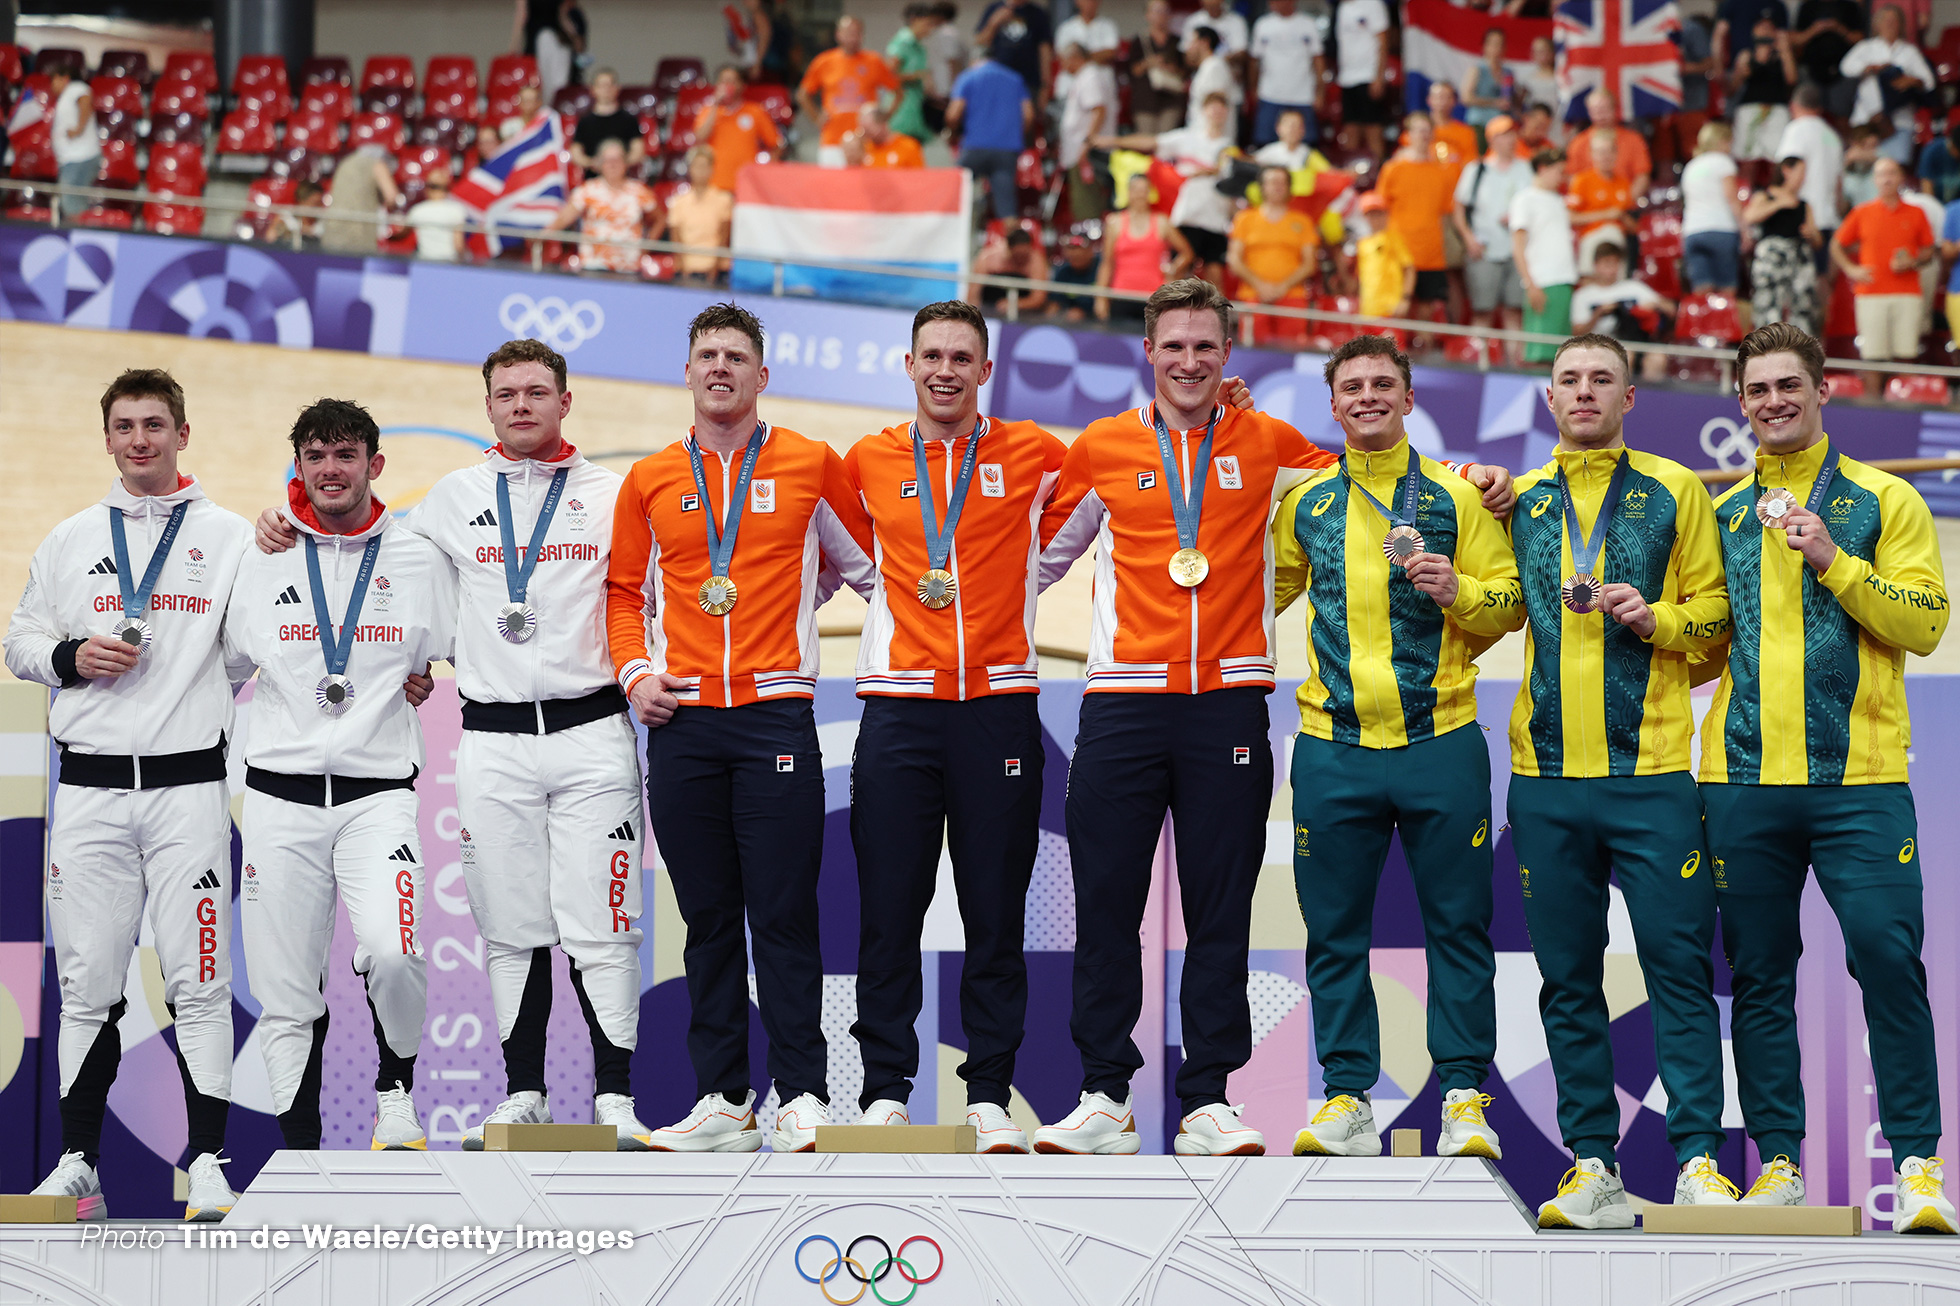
885, 1112
796, 1124
527, 1108
994, 1130
1701, 1183
1780, 1184
210, 1196
1345, 1126
1590, 1196
74, 1177
714, 1125
1099, 1126
1921, 1205
616, 1109
1215, 1131
396, 1126
1465, 1132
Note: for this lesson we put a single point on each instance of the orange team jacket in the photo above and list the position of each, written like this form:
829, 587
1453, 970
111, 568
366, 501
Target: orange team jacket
802, 532
1147, 633
983, 642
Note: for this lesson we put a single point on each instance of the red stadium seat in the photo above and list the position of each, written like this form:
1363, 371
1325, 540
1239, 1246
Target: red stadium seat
33, 149
196, 66
315, 132
1325, 337
396, 70
119, 95
571, 101
176, 127
114, 217
672, 73
52, 57
656, 267
271, 103
177, 95
690, 100
640, 101
119, 164
457, 103
1660, 233
385, 99
14, 61
176, 168
1846, 385
174, 219
1663, 275
417, 161
332, 98
1710, 321
382, 129
244, 131
133, 64
259, 70
301, 164
323, 69
255, 223
453, 134
1473, 350
510, 71
1945, 57
775, 101
1926, 390
450, 70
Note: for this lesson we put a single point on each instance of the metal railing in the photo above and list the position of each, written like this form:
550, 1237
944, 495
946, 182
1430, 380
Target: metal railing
1013, 288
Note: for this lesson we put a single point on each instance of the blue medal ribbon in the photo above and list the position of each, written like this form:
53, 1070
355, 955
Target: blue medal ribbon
1586, 549
136, 598
939, 539
337, 650
1411, 486
1185, 512
517, 578
721, 542
1825, 475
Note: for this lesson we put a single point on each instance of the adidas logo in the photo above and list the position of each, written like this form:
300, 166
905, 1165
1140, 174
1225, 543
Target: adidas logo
484, 518
402, 854
288, 595
624, 834
106, 567
209, 881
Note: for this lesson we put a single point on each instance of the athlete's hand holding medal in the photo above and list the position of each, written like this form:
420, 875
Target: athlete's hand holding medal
1804, 531
102, 657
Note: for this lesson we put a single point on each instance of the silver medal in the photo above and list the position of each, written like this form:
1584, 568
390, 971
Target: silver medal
136, 633
517, 622
334, 694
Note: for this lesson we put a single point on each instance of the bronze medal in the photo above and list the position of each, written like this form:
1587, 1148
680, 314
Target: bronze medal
1582, 593
1773, 506
1401, 545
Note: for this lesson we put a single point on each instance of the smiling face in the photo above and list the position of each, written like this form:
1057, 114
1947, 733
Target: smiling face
725, 374
612, 162
948, 365
1784, 406
336, 476
1187, 358
1292, 129
1589, 397
144, 439
526, 409
1370, 399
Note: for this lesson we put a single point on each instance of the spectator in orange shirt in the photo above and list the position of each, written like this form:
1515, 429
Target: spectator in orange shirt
1600, 202
843, 80
1420, 194
737, 131
1274, 251
700, 215
1632, 162
875, 145
1893, 240
1456, 142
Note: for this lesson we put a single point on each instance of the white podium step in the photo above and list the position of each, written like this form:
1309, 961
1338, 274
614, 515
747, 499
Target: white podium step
1009, 1231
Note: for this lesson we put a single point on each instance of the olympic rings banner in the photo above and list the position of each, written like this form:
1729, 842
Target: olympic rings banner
845, 353
459, 1076
843, 1269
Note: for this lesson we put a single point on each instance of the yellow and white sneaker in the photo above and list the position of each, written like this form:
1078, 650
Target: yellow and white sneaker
396, 1126
1215, 1130
1780, 1184
716, 1124
1345, 1126
1590, 1196
1701, 1183
796, 1124
1921, 1205
994, 1131
210, 1196
1465, 1132
1099, 1126
885, 1111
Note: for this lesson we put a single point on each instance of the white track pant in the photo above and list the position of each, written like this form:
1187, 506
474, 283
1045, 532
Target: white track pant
297, 857
551, 854
110, 851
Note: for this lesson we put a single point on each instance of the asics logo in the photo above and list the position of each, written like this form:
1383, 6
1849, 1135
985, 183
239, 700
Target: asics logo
844, 1262
1735, 518
1693, 864
1730, 445
551, 320
1324, 502
1905, 853
1483, 832
1539, 506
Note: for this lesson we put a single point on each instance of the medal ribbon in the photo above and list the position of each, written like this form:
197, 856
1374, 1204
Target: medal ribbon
337, 651
721, 543
1586, 549
1825, 475
517, 579
136, 598
939, 539
1185, 513
1411, 484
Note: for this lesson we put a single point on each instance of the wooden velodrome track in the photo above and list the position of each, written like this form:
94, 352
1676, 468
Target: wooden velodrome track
241, 400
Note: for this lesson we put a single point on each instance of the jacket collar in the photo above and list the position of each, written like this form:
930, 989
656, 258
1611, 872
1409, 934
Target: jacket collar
135, 505
504, 464
299, 511
1790, 469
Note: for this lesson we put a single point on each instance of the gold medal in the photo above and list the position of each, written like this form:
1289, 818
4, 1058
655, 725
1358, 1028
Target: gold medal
1773, 506
1401, 545
1582, 593
717, 595
937, 588
1189, 567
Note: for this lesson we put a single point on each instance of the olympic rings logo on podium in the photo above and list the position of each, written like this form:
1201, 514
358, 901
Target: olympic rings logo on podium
844, 1261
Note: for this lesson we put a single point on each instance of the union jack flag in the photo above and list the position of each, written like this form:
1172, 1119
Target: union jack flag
1623, 46
521, 185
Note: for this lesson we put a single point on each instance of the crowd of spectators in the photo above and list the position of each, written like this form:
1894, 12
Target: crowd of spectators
1810, 174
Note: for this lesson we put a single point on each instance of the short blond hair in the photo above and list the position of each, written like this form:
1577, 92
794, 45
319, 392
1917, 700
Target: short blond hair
1715, 135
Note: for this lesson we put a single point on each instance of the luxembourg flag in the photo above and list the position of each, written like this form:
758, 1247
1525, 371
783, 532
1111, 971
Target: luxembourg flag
521, 185
914, 220
1443, 42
